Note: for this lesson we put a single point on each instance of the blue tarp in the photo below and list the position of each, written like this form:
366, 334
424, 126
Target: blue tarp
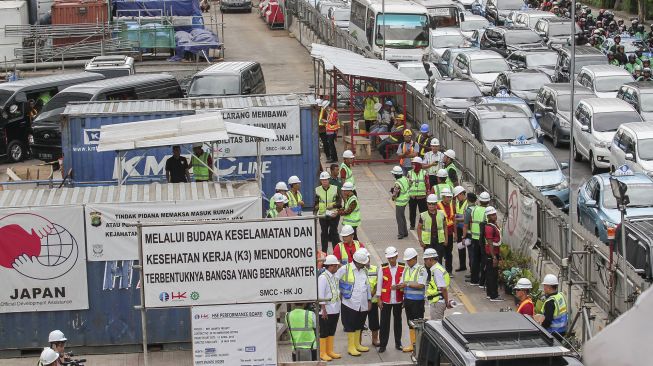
196, 41
154, 8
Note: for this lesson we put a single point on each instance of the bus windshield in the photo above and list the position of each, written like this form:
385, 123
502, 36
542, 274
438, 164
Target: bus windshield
402, 30
444, 17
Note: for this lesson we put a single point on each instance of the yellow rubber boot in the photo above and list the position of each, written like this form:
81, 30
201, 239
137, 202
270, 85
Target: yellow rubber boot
351, 344
330, 351
323, 350
409, 348
359, 346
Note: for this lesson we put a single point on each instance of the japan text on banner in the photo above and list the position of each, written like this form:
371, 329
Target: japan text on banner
520, 230
229, 263
110, 237
42, 259
236, 335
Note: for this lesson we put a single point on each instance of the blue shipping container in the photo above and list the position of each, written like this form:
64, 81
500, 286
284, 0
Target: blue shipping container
80, 131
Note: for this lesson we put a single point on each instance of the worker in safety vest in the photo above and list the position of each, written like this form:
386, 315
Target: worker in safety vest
396, 135
423, 140
445, 250
356, 300
301, 326
441, 183
373, 314
280, 208
473, 222
522, 292
351, 211
555, 307
201, 162
329, 295
460, 203
346, 174
327, 198
493, 254
332, 126
282, 188
413, 283
390, 298
453, 175
345, 250
417, 191
400, 194
295, 199
433, 161
431, 226
437, 293
406, 151
321, 123
371, 108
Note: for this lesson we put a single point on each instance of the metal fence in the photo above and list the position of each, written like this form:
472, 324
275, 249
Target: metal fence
584, 262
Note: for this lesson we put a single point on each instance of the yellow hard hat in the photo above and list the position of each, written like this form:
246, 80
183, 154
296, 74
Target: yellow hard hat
370, 88
408, 133
400, 117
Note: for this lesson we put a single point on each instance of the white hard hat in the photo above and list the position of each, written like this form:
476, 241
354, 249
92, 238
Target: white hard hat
450, 153
435, 142
489, 210
458, 190
348, 186
48, 356
523, 284
391, 252
364, 250
279, 197
325, 103
409, 254
324, 175
361, 256
417, 159
446, 192
346, 230
430, 253
281, 186
294, 179
484, 197
331, 259
347, 154
56, 336
550, 280
442, 173
197, 144
397, 170
432, 198
318, 101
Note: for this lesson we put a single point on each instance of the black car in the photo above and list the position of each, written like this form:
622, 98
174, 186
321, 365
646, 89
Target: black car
454, 97
506, 40
523, 84
542, 60
555, 30
639, 245
585, 56
640, 95
552, 109
496, 11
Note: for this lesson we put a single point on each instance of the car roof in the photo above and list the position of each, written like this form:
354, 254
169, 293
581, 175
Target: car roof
508, 148
410, 64
530, 52
130, 80
605, 70
556, 20
583, 51
565, 89
642, 130
45, 81
229, 67
482, 54
510, 28
469, 16
644, 87
492, 111
450, 83
603, 105
604, 178
510, 74
398, 6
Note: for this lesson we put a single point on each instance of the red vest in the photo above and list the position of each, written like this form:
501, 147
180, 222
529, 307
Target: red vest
387, 282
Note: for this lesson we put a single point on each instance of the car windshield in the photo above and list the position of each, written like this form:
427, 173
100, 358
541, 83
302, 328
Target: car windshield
645, 149
528, 81
457, 90
610, 121
341, 14
482, 66
611, 83
531, 161
416, 72
522, 37
506, 129
631, 47
559, 29
402, 30
563, 101
472, 25
639, 194
541, 59
214, 85
447, 41
60, 100
646, 102
510, 4
587, 61
5, 96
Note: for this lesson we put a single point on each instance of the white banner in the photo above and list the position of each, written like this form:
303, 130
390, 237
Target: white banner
229, 263
42, 259
284, 120
109, 236
234, 335
521, 227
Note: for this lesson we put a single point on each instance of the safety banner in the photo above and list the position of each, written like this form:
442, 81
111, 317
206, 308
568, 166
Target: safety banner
520, 230
229, 263
236, 335
111, 234
42, 259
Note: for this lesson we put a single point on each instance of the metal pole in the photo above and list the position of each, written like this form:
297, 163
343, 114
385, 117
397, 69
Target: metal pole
623, 254
142, 291
382, 11
572, 71
259, 163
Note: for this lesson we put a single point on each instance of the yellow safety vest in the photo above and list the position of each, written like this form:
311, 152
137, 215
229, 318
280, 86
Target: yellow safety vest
370, 113
327, 198
200, 171
426, 226
432, 291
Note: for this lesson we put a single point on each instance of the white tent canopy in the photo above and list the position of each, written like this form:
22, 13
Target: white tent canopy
175, 131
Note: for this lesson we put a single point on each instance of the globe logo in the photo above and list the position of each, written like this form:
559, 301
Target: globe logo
163, 297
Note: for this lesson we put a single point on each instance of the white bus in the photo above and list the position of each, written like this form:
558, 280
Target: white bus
443, 13
404, 25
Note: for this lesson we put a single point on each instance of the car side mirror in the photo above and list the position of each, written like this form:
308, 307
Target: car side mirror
564, 165
247, 91
538, 115
464, 71
462, 17
630, 157
591, 204
585, 128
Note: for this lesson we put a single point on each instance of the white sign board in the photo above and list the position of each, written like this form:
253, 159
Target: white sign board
521, 227
284, 120
42, 259
228, 263
234, 335
110, 238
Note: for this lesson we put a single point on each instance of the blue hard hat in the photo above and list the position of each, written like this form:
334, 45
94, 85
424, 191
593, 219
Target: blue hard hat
388, 102
424, 128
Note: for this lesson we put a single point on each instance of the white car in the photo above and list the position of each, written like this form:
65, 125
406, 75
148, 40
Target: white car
596, 121
481, 66
473, 23
417, 72
529, 18
633, 145
604, 80
445, 38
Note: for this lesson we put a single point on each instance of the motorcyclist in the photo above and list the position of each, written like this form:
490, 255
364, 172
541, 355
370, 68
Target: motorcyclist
620, 55
630, 65
617, 41
612, 60
646, 75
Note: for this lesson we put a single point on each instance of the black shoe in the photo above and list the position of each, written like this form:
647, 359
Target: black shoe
399, 237
381, 349
399, 347
468, 276
461, 269
412, 227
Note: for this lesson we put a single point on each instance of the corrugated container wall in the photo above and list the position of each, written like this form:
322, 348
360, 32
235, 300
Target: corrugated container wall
78, 12
11, 13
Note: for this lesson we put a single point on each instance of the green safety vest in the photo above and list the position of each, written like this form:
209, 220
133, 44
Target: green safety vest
272, 213
335, 294
200, 171
344, 257
370, 113
349, 176
302, 329
432, 291
293, 200
354, 217
372, 279
412, 275
327, 198
559, 321
404, 192
441, 186
460, 211
478, 216
426, 226
449, 168
417, 183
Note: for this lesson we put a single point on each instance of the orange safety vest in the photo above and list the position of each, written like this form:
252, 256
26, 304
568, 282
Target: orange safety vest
388, 281
527, 301
333, 124
403, 151
449, 215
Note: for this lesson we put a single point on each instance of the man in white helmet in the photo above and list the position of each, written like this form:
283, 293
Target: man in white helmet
327, 199
57, 341
350, 211
48, 357
321, 124
345, 250
295, 198
202, 163
522, 292
448, 164
282, 188
407, 150
441, 184
413, 283
474, 227
346, 174
437, 293
390, 298
433, 160
332, 126
493, 254
431, 226
356, 300
555, 307
400, 194
460, 204
280, 207
418, 189
329, 295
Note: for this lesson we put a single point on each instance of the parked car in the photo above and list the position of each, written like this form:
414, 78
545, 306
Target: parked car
524, 107
233, 5
542, 60
466, 5
631, 44
111, 66
446, 38
539, 167
597, 206
339, 16
473, 23
453, 97
639, 244
633, 146
481, 67
604, 80
555, 30
528, 19
417, 72
523, 84
498, 124
585, 55
497, 11
640, 95
506, 40
479, 7
445, 63
228, 78
596, 120
552, 109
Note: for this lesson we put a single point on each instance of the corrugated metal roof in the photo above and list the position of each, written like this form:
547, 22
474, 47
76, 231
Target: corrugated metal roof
189, 104
154, 192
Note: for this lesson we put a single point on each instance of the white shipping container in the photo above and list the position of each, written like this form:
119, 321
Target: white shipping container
11, 13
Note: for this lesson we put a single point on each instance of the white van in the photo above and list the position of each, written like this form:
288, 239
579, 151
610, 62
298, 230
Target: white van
633, 145
604, 80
